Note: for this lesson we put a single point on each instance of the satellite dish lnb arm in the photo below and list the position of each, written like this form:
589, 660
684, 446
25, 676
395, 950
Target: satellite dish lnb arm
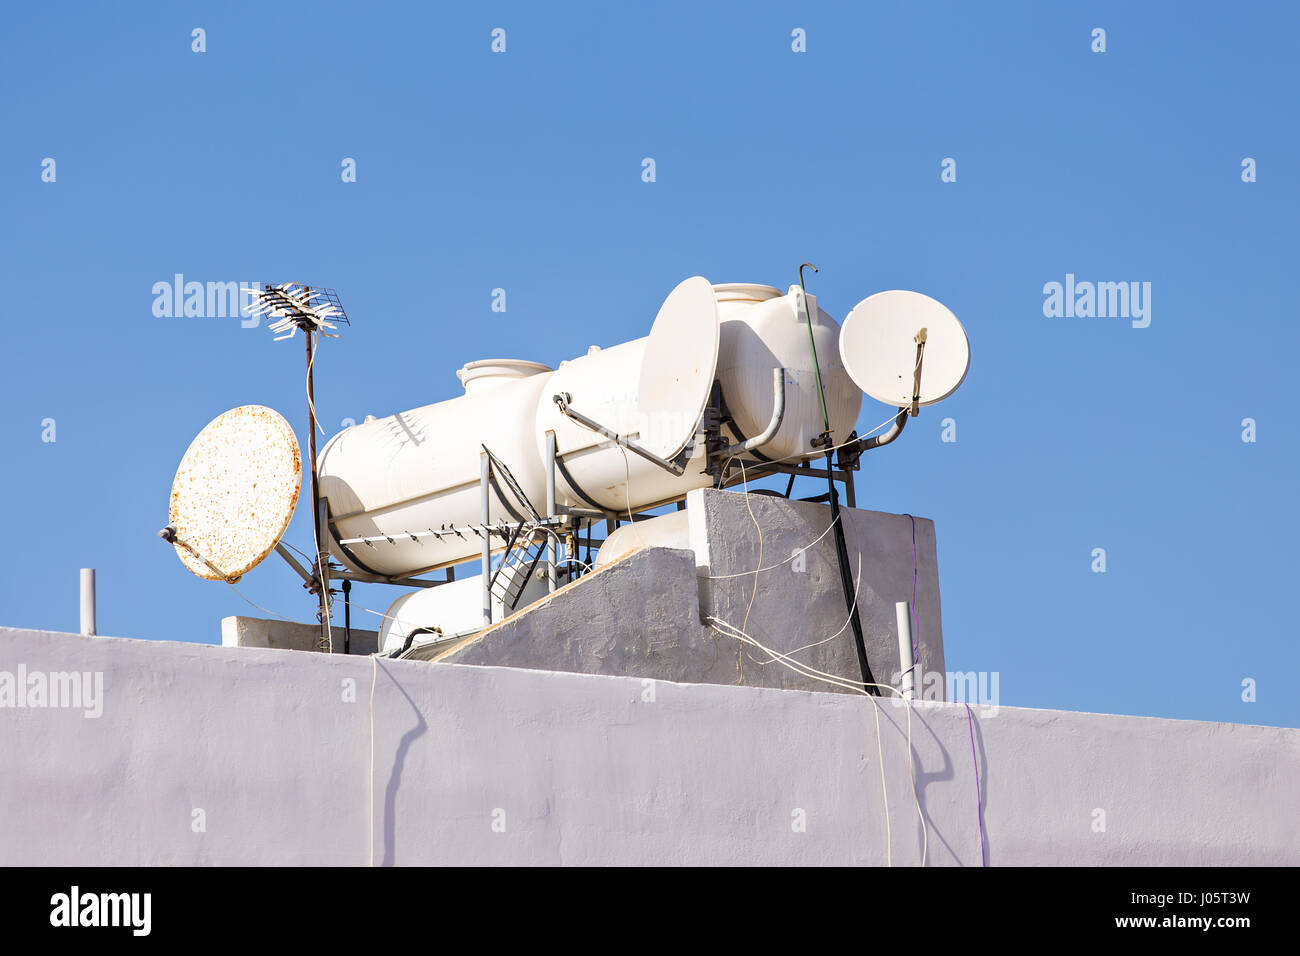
911, 410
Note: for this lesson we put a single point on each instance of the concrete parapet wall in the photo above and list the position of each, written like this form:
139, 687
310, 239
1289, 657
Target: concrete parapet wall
202, 754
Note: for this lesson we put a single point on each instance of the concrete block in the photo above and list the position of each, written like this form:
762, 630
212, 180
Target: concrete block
290, 635
650, 614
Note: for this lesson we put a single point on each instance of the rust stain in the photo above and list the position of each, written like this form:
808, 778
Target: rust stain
235, 490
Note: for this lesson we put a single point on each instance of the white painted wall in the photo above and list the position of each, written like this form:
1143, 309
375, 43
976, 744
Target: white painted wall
585, 769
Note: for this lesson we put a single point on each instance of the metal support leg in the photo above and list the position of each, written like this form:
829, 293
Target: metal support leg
551, 539
347, 616
485, 473
323, 573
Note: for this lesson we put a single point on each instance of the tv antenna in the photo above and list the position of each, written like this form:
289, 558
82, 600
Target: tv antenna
313, 310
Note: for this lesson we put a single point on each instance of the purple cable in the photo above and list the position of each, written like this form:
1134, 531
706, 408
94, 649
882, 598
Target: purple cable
916, 621
979, 798
970, 717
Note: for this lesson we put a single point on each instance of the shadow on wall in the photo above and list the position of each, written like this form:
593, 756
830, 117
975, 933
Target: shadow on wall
395, 776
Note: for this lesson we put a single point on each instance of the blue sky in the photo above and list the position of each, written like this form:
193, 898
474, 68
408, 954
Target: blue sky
522, 171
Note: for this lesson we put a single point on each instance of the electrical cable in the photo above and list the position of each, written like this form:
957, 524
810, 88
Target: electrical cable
258, 606
374, 674
753, 591
841, 545
979, 797
808, 671
916, 621
627, 484
856, 591
321, 564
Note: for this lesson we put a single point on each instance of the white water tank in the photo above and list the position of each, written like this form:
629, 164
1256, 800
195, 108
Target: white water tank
763, 329
455, 608
664, 531
418, 471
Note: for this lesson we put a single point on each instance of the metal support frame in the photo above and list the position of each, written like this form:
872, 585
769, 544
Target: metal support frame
347, 617
319, 517
552, 539
485, 479
675, 467
323, 564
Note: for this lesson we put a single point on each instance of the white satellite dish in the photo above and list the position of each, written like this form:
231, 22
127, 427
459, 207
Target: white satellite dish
677, 371
235, 492
880, 343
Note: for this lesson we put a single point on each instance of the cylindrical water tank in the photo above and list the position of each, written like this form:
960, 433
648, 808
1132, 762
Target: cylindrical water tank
665, 531
455, 608
762, 330
419, 471
603, 385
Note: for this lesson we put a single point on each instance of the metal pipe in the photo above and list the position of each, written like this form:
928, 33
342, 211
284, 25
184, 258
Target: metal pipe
841, 547
88, 602
812, 342
895, 430
773, 426
563, 399
485, 474
283, 552
322, 554
323, 571
906, 661
347, 617
550, 512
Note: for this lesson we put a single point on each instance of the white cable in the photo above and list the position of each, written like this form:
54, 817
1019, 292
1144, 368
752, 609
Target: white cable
857, 687
374, 674
258, 606
627, 484
853, 441
311, 360
798, 551
773, 567
857, 588
322, 561
753, 591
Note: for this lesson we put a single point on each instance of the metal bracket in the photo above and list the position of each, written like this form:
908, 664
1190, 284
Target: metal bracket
676, 467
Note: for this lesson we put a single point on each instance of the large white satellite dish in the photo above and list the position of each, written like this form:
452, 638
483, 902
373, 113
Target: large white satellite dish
677, 371
880, 343
235, 492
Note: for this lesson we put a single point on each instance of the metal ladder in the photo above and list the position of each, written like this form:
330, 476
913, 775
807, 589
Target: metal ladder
524, 551
525, 547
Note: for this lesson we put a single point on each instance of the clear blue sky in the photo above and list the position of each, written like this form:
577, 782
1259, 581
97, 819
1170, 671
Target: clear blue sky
523, 171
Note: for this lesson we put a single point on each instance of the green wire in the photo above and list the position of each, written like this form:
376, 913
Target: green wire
817, 370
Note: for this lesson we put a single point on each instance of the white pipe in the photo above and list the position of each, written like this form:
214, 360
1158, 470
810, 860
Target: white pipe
906, 663
485, 472
88, 602
773, 426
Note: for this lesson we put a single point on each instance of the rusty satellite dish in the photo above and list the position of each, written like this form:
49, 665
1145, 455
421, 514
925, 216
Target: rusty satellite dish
235, 492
